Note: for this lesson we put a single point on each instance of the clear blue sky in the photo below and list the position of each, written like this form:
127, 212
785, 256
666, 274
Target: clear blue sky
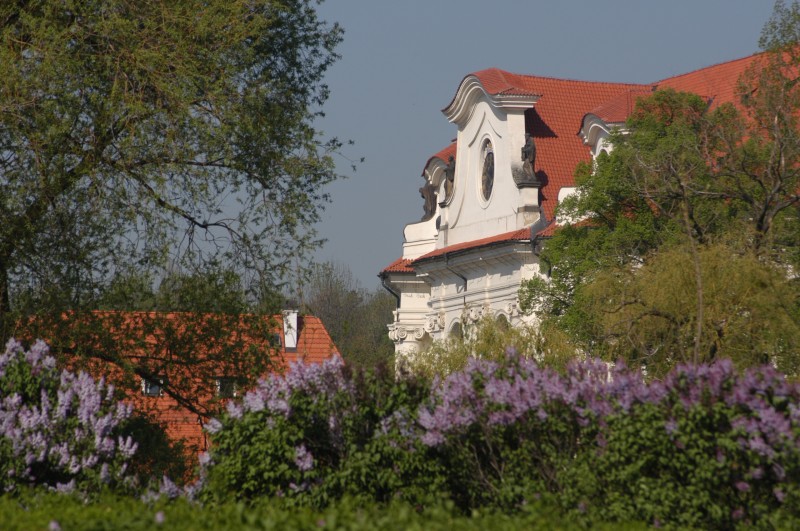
402, 62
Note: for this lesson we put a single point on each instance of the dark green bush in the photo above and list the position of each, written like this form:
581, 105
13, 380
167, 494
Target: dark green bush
320, 433
52, 511
704, 447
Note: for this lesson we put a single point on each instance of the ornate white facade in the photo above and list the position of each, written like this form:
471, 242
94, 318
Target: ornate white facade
490, 197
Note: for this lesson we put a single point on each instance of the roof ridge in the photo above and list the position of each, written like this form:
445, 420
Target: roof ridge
709, 67
503, 73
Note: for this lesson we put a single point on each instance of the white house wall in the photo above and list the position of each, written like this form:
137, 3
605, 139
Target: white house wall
469, 217
459, 290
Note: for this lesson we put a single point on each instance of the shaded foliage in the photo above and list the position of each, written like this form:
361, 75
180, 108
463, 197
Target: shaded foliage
354, 316
158, 157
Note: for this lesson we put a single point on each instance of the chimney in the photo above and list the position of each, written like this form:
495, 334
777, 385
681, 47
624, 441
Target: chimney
290, 330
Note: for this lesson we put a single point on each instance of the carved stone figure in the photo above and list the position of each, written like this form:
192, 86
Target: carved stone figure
428, 193
449, 178
528, 177
529, 151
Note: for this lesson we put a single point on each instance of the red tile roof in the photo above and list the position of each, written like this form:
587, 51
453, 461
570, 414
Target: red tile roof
718, 82
401, 265
497, 82
563, 103
443, 155
618, 108
548, 230
558, 114
514, 235
314, 345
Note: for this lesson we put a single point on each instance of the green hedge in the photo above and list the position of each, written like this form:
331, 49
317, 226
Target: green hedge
54, 511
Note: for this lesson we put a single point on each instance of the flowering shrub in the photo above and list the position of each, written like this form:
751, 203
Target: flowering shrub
706, 446
315, 434
58, 429
709, 448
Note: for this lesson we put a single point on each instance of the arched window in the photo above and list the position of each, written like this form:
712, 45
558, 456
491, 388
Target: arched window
456, 331
502, 322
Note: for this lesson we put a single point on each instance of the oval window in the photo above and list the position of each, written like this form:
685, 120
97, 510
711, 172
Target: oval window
487, 178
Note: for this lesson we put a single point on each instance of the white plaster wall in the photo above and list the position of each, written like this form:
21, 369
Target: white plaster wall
469, 217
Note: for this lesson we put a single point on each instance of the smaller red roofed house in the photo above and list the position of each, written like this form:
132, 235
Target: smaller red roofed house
187, 355
491, 196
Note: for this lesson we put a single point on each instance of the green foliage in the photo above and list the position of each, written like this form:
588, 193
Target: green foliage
648, 316
700, 475
169, 144
322, 438
688, 236
213, 290
38, 511
488, 339
157, 455
354, 316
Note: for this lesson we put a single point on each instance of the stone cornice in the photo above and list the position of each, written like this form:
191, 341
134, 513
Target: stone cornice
471, 91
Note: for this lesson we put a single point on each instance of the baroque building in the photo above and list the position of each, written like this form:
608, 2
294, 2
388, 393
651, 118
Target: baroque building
490, 196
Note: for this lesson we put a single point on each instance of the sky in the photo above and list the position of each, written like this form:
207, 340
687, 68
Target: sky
402, 61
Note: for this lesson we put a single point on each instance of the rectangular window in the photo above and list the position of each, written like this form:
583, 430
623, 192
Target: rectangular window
227, 387
153, 387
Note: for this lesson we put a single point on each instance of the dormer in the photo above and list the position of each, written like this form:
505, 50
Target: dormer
502, 90
611, 115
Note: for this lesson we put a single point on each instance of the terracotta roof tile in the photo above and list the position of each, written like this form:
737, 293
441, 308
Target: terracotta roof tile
314, 345
557, 118
442, 155
717, 82
618, 108
553, 227
496, 81
401, 265
548, 230
515, 235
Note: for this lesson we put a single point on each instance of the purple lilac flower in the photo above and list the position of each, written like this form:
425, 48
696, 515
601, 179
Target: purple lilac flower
303, 458
168, 488
127, 446
213, 425
234, 410
65, 488
159, 518
41, 431
671, 426
253, 401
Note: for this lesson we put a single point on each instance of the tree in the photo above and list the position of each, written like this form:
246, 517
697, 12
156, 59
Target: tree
155, 134
354, 317
694, 194
143, 138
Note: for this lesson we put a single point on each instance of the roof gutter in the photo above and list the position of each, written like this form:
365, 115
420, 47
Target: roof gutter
383, 276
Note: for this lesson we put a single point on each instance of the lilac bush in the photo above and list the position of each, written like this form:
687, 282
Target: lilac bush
58, 429
316, 433
706, 446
